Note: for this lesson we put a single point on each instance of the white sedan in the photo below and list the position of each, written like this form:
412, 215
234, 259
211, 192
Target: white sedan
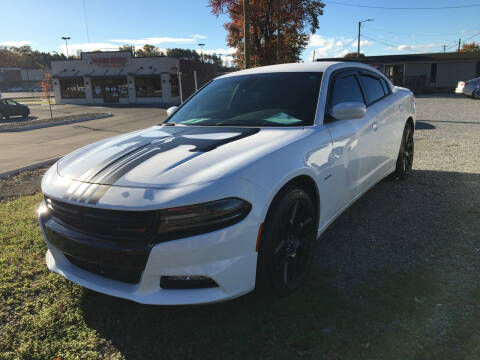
232, 190
469, 88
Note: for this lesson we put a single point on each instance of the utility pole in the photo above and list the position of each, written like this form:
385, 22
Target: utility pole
278, 31
444, 48
66, 38
246, 34
459, 42
359, 30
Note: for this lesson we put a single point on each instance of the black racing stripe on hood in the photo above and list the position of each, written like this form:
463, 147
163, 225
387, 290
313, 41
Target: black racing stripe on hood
113, 174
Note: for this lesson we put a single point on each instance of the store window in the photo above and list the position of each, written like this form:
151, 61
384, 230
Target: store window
110, 88
174, 87
72, 88
433, 72
148, 86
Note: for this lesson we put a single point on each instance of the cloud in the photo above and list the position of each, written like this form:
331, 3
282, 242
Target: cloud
220, 51
73, 48
198, 36
333, 46
425, 47
14, 43
155, 40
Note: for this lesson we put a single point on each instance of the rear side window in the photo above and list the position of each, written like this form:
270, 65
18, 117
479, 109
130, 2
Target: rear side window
373, 88
346, 89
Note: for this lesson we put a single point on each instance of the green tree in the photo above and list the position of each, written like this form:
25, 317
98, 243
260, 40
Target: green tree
126, 47
149, 50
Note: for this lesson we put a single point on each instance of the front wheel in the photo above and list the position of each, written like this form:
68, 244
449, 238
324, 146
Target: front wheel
476, 94
405, 155
286, 244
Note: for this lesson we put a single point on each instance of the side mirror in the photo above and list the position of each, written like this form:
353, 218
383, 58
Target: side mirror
348, 110
171, 110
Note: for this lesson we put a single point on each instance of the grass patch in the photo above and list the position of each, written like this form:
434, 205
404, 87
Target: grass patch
420, 302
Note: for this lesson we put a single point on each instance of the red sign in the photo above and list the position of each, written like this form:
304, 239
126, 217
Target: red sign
113, 61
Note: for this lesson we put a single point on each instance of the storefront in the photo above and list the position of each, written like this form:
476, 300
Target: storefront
118, 77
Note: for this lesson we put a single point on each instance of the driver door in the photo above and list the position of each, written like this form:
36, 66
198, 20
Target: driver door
354, 140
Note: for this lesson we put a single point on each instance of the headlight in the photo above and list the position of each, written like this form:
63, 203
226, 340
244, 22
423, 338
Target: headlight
202, 218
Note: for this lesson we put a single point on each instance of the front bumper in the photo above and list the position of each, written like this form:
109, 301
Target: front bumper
226, 256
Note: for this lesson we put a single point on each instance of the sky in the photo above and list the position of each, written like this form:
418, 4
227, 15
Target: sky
185, 23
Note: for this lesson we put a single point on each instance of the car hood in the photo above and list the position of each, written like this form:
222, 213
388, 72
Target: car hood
171, 156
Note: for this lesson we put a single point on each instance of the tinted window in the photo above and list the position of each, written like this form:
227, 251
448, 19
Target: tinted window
386, 87
346, 89
271, 99
373, 87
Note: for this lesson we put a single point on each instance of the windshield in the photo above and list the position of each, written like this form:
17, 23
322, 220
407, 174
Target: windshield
268, 99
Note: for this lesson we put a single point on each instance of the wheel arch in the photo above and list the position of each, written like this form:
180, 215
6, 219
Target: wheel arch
304, 181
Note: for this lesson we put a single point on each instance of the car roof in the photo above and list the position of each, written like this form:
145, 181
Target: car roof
320, 66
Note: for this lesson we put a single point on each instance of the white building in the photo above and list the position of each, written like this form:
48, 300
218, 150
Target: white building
119, 77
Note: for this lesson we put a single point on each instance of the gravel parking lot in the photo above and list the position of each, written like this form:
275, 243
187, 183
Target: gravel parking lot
395, 277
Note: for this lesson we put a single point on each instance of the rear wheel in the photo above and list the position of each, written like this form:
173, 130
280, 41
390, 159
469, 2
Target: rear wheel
3, 116
405, 155
286, 247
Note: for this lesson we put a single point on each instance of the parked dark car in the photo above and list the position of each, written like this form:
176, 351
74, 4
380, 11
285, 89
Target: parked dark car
8, 108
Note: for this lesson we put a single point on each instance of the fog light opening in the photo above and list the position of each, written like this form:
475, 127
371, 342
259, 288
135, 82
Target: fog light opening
186, 282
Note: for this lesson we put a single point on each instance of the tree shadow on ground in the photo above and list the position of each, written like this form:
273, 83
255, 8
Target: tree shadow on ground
395, 276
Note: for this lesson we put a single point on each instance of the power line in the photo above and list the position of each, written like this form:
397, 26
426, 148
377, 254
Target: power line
403, 8
406, 34
392, 45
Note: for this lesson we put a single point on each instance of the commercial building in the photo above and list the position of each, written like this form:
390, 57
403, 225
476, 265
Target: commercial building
119, 77
425, 73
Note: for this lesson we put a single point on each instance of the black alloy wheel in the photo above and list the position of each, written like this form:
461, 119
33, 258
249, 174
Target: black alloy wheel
286, 247
405, 156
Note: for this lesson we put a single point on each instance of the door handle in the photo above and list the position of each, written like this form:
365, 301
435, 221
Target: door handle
374, 126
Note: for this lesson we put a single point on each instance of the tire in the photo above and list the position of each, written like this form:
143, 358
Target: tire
476, 94
286, 243
405, 154
2, 117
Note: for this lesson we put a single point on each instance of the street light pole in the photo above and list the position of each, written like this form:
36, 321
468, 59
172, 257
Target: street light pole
201, 50
246, 35
66, 38
359, 30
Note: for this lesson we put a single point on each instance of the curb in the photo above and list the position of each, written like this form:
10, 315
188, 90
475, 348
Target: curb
66, 122
29, 167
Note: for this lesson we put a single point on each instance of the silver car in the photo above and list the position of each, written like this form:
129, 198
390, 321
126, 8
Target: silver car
469, 88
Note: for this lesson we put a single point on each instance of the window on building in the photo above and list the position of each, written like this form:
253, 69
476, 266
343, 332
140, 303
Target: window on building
433, 72
110, 87
148, 86
373, 88
72, 88
174, 86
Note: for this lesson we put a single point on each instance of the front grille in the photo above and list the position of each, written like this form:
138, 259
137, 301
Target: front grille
111, 243
115, 224
128, 276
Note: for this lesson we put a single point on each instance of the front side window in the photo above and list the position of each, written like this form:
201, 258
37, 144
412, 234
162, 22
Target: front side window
346, 89
72, 88
268, 99
373, 88
148, 86
11, 102
110, 87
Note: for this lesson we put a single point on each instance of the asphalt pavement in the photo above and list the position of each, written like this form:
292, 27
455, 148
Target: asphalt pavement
23, 149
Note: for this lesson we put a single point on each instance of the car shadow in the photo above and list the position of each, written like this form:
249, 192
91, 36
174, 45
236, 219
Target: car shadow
422, 125
380, 272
